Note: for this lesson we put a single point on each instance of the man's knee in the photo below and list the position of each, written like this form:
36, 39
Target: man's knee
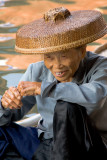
67, 107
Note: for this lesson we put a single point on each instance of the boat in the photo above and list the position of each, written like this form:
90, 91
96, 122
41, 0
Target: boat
101, 50
30, 121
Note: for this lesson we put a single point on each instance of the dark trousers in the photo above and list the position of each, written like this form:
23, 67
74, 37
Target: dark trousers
73, 137
18, 142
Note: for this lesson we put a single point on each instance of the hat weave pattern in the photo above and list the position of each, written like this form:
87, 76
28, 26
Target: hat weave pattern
60, 29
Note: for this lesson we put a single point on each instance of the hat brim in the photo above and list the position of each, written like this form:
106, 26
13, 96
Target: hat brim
51, 49
40, 37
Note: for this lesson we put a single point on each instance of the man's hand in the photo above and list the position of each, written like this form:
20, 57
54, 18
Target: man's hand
27, 88
11, 99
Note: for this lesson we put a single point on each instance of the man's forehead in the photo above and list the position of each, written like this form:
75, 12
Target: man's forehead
65, 52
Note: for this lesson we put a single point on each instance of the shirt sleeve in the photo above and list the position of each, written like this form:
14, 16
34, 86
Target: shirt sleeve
8, 115
91, 95
12, 115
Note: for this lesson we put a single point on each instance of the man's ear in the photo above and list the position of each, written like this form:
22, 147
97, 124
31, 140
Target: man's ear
83, 50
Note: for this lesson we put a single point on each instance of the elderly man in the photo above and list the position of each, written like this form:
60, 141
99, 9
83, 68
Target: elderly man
69, 88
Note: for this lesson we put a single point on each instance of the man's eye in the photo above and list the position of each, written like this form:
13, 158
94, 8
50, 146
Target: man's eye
49, 57
63, 56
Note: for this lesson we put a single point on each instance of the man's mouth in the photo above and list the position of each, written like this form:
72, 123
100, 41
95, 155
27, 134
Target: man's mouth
60, 74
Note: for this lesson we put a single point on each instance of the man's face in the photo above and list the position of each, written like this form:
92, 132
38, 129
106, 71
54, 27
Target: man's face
64, 64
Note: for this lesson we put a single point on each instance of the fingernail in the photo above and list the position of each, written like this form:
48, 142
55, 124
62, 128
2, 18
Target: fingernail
19, 97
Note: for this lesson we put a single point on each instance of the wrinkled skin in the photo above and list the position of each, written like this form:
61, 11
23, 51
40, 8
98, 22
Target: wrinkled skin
62, 65
29, 88
12, 97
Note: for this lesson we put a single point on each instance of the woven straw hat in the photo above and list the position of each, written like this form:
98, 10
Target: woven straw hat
60, 29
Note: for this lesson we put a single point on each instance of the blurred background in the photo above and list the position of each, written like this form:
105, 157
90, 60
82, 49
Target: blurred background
16, 13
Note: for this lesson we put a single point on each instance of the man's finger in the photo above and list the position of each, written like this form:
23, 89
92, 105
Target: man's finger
7, 102
28, 91
15, 92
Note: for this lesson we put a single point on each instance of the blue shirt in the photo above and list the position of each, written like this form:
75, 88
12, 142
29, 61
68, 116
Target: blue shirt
88, 88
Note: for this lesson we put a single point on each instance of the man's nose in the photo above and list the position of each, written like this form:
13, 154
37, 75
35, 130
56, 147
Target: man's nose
58, 63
